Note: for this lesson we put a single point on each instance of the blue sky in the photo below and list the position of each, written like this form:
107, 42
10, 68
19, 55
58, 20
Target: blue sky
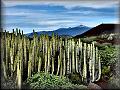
51, 15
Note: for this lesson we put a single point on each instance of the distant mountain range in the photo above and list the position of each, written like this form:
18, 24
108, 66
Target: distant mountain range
71, 31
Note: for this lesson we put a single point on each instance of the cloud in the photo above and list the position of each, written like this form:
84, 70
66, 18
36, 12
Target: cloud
51, 15
67, 4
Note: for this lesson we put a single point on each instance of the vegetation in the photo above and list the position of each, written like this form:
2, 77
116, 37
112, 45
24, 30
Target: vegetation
23, 57
50, 81
108, 59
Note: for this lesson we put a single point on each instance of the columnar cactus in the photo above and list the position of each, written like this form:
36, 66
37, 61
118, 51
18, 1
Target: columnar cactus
46, 53
2, 56
49, 59
53, 52
99, 64
80, 56
73, 57
76, 55
93, 62
39, 64
85, 63
39, 54
59, 56
64, 63
68, 58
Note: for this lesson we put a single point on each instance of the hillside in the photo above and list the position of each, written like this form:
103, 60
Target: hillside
99, 30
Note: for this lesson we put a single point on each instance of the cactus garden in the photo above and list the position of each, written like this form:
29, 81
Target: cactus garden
60, 44
23, 57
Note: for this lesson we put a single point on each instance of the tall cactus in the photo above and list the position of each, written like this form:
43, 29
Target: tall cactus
40, 54
99, 64
68, 57
85, 64
49, 59
53, 52
73, 57
93, 62
80, 56
64, 63
2, 56
76, 55
46, 53
59, 56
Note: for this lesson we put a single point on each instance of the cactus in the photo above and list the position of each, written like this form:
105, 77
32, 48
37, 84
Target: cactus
85, 63
39, 64
25, 52
53, 52
48, 65
61, 69
2, 56
41, 53
99, 64
64, 63
11, 55
80, 56
68, 59
93, 63
58, 65
59, 56
76, 55
73, 57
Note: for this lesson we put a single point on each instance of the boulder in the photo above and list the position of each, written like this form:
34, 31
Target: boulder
93, 86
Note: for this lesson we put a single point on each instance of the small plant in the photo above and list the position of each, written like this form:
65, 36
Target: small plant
50, 81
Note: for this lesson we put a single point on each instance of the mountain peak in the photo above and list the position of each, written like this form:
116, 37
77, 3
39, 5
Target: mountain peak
70, 31
82, 25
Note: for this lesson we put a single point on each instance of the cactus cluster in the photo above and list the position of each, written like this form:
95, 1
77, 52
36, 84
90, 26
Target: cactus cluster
22, 56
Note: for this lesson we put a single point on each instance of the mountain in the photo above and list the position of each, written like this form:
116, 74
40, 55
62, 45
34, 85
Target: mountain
99, 30
71, 31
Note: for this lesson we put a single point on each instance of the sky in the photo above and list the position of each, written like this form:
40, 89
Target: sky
50, 15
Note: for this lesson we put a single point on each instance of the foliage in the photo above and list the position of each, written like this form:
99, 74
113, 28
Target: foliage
108, 55
75, 78
50, 81
108, 58
89, 39
114, 82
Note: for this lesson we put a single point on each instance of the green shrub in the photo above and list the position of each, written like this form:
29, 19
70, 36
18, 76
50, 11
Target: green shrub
50, 81
108, 58
108, 55
75, 78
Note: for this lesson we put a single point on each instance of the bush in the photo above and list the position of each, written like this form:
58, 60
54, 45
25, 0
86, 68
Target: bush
108, 56
50, 81
75, 78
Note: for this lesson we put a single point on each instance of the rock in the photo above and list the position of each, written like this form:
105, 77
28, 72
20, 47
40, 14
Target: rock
93, 86
103, 83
